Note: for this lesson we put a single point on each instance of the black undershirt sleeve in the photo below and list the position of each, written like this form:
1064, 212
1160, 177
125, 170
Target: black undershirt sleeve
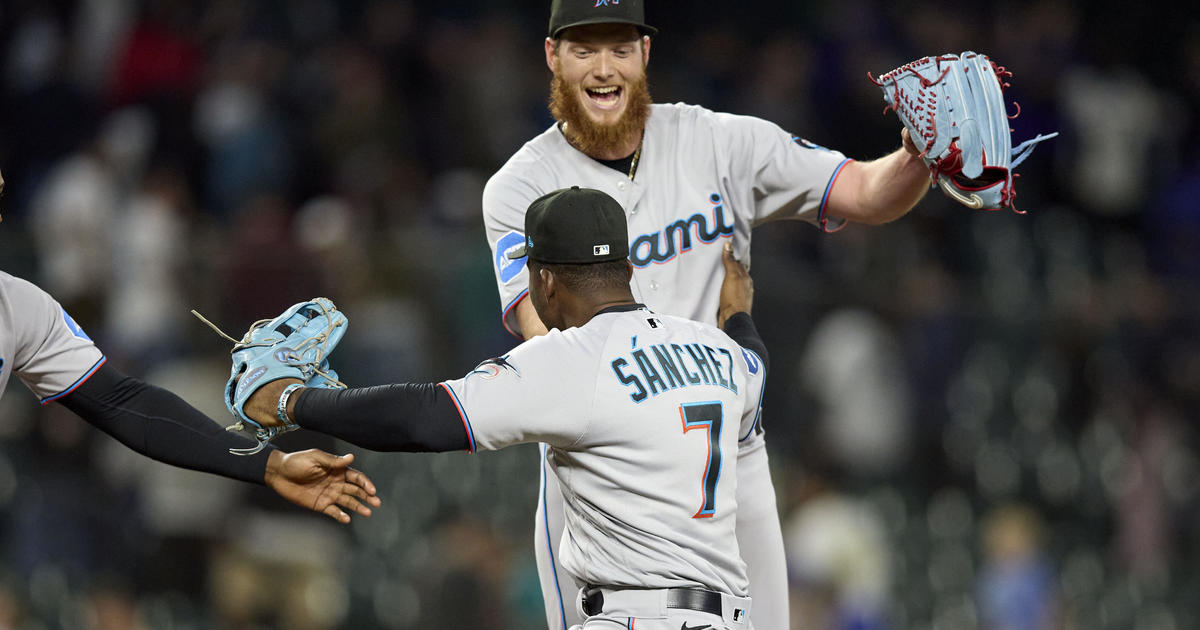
740, 327
417, 418
160, 425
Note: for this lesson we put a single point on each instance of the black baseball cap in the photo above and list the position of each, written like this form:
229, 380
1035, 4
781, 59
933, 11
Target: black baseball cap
574, 226
567, 13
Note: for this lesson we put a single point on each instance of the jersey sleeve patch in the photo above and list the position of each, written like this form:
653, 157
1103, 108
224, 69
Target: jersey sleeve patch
752, 362
808, 144
73, 326
508, 268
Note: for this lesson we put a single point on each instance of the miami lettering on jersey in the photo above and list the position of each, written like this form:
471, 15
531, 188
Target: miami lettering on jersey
650, 371
656, 247
676, 238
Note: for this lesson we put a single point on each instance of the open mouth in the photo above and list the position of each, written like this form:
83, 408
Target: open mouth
605, 96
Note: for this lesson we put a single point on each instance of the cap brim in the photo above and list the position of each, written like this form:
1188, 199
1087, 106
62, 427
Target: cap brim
644, 29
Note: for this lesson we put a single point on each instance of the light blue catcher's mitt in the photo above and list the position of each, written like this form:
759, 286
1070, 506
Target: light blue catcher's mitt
293, 345
953, 108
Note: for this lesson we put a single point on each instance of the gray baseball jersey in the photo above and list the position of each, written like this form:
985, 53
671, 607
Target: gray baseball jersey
702, 177
642, 414
40, 343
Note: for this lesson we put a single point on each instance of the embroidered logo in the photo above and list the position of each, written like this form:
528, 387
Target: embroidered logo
508, 268
600, 250
807, 144
604, 3
74, 327
246, 381
492, 368
752, 363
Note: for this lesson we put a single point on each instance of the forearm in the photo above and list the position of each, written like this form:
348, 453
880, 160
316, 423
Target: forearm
740, 327
527, 318
160, 425
403, 417
880, 191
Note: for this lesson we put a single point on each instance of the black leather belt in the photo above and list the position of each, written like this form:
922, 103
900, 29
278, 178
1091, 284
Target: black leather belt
688, 598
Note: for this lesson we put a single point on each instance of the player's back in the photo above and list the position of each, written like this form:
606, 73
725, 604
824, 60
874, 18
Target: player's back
649, 485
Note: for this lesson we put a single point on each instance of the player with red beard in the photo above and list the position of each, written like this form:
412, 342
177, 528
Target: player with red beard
690, 180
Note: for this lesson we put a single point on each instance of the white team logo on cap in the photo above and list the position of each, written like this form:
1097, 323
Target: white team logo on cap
600, 250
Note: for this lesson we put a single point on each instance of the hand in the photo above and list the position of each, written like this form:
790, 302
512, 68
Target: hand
907, 141
321, 482
737, 290
263, 405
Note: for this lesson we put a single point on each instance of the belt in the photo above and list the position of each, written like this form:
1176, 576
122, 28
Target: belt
688, 598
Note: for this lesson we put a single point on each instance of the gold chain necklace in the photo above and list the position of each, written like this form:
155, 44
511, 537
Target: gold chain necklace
633, 166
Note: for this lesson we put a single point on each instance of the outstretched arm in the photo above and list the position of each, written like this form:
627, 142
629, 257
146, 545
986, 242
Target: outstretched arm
881, 190
415, 418
160, 425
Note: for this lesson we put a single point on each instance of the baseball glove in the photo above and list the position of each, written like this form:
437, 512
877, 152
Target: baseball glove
293, 345
953, 108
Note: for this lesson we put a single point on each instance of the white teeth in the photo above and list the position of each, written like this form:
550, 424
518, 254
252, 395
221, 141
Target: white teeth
605, 90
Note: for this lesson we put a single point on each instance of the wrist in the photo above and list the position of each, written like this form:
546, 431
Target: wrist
274, 467
282, 410
262, 407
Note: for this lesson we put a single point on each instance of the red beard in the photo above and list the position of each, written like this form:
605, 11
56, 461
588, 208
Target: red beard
597, 139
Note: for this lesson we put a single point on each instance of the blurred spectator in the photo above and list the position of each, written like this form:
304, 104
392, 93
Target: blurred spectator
1016, 588
838, 561
854, 370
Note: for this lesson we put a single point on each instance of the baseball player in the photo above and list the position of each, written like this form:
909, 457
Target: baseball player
54, 358
690, 180
641, 413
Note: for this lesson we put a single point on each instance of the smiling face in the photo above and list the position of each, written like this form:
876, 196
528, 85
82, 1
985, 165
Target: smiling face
599, 88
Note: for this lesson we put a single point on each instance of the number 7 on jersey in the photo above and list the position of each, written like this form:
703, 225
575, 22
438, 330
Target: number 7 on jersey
707, 416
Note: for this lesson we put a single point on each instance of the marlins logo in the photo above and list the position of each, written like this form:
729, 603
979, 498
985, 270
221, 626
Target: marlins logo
807, 144
493, 367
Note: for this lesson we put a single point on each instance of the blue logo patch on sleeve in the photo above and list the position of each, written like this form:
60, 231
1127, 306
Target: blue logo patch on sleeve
75, 329
806, 143
508, 268
752, 363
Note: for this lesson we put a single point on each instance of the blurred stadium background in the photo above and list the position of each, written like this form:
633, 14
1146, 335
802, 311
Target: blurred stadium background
977, 420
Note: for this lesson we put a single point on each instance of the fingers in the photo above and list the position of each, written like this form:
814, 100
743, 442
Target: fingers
907, 142
357, 491
357, 478
732, 265
350, 503
349, 500
334, 513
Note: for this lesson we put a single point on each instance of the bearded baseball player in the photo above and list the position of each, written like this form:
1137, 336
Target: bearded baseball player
641, 415
690, 180
57, 361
